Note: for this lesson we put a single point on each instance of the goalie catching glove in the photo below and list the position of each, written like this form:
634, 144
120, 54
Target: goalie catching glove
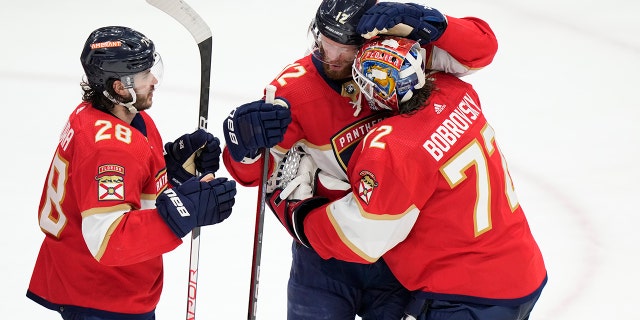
414, 21
199, 151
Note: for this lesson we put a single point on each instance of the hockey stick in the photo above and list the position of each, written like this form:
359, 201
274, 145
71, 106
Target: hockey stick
183, 13
257, 237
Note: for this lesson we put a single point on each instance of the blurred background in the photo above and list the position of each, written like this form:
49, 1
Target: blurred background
560, 94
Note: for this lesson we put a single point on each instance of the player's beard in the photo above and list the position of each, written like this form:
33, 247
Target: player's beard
144, 100
335, 72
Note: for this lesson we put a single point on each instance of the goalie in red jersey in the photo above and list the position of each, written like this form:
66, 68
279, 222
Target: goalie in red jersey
327, 119
107, 210
430, 194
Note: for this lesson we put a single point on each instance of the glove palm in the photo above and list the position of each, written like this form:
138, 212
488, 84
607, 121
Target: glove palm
199, 151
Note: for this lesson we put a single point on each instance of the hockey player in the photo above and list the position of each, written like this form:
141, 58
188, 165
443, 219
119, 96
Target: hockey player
430, 194
106, 209
326, 117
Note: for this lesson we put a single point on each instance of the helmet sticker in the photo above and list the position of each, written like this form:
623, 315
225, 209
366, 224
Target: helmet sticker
106, 44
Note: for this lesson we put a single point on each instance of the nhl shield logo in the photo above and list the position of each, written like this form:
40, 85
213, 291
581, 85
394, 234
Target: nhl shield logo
110, 180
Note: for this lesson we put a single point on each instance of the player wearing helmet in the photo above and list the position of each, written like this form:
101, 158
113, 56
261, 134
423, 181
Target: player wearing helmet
430, 194
107, 211
327, 119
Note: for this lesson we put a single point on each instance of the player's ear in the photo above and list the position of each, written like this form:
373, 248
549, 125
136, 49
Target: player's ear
118, 88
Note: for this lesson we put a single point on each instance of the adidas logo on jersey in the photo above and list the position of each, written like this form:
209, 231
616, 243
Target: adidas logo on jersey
439, 107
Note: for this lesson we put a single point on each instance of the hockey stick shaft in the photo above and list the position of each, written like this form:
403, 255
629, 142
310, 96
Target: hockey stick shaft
257, 237
200, 31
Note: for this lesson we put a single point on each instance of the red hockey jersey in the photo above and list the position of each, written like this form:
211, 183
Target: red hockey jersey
328, 118
103, 236
431, 194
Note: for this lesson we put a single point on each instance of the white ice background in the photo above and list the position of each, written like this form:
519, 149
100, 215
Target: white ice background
562, 95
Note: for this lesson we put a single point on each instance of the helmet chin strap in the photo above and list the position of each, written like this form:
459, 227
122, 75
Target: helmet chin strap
129, 105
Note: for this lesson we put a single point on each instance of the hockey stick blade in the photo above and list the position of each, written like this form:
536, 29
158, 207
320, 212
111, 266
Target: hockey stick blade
200, 31
184, 14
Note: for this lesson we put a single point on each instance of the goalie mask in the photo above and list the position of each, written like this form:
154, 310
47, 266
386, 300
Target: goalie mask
389, 70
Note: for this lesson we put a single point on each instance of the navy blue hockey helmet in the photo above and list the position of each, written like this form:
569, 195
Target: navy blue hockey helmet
338, 19
115, 52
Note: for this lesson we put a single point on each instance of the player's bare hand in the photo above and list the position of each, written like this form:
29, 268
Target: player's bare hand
208, 177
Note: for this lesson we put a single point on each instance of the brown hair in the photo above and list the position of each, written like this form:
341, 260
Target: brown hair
97, 98
417, 102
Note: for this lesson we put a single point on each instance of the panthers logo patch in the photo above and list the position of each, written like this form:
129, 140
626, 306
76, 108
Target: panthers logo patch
110, 180
366, 186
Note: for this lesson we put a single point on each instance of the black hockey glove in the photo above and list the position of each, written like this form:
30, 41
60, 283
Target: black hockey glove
414, 21
291, 213
256, 125
199, 151
196, 203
